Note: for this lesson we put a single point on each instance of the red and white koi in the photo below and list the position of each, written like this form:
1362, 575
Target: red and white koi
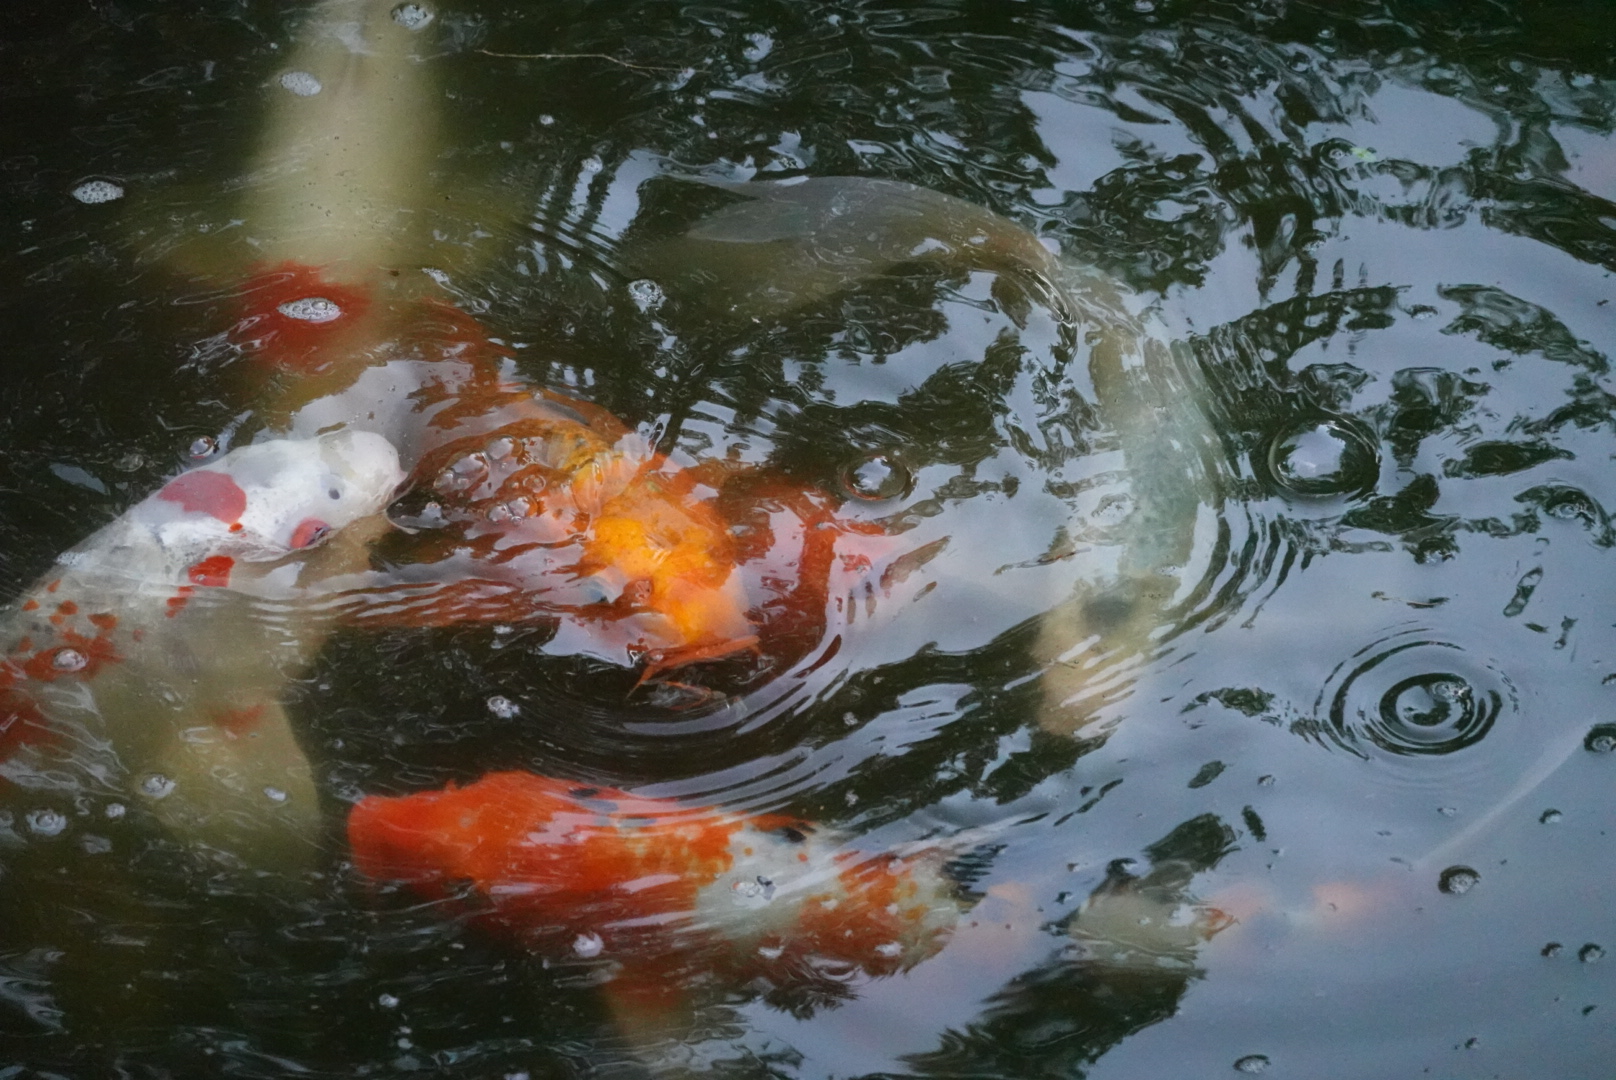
154, 654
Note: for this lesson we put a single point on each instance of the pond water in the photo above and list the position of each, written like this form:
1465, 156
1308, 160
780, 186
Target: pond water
1244, 428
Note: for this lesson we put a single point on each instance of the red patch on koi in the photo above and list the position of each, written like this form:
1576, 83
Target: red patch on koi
31, 605
309, 531
294, 316
77, 656
204, 491
212, 572
177, 602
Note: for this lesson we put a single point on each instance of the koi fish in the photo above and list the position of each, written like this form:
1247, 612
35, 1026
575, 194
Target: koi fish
785, 244
668, 892
156, 649
526, 505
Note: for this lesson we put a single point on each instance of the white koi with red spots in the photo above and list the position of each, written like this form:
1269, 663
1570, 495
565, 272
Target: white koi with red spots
153, 656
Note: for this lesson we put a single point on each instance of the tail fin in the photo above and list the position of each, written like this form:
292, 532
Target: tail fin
342, 177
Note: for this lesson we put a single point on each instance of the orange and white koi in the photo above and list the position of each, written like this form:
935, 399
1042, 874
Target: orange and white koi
529, 505
666, 891
152, 656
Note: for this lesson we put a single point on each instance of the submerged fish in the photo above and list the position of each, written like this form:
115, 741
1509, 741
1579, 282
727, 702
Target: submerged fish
154, 653
526, 505
785, 244
669, 893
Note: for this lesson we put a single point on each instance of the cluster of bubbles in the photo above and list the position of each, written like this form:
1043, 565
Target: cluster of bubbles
313, 309
300, 83
92, 192
646, 294
1457, 880
412, 16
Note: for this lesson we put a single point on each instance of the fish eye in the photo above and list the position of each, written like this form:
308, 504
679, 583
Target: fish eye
334, 493
793, 834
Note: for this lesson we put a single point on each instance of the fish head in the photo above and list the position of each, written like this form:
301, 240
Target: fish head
265, 500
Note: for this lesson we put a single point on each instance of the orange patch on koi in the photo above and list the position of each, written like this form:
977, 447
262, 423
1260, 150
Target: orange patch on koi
241, 721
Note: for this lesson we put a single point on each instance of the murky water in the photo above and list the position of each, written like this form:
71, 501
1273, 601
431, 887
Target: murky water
1252, 644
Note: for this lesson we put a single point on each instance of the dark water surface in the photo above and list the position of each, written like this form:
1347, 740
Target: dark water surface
1304, 617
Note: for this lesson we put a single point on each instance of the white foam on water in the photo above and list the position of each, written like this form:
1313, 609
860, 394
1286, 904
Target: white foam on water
97, 191
301, 83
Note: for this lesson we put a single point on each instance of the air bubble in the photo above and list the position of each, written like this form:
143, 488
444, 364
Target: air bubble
1550, 817
1427, 701
758, 46
646, 294
1252, 1063
300, 83
1590, 953
1324, 459
1552, 949
1601, 739
412, 16
114, 811
92, 192
157, 786
889, 949
770, 952
275, 794
387, 1001
46, 822
69, 660
313, 309
876, 476
1458, 880
503, 707
588, 945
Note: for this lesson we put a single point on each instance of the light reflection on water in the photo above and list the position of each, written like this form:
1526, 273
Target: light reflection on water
1177, 676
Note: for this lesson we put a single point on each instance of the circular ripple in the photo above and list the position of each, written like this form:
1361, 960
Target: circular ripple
1413, 694
876, 476
1324, 458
